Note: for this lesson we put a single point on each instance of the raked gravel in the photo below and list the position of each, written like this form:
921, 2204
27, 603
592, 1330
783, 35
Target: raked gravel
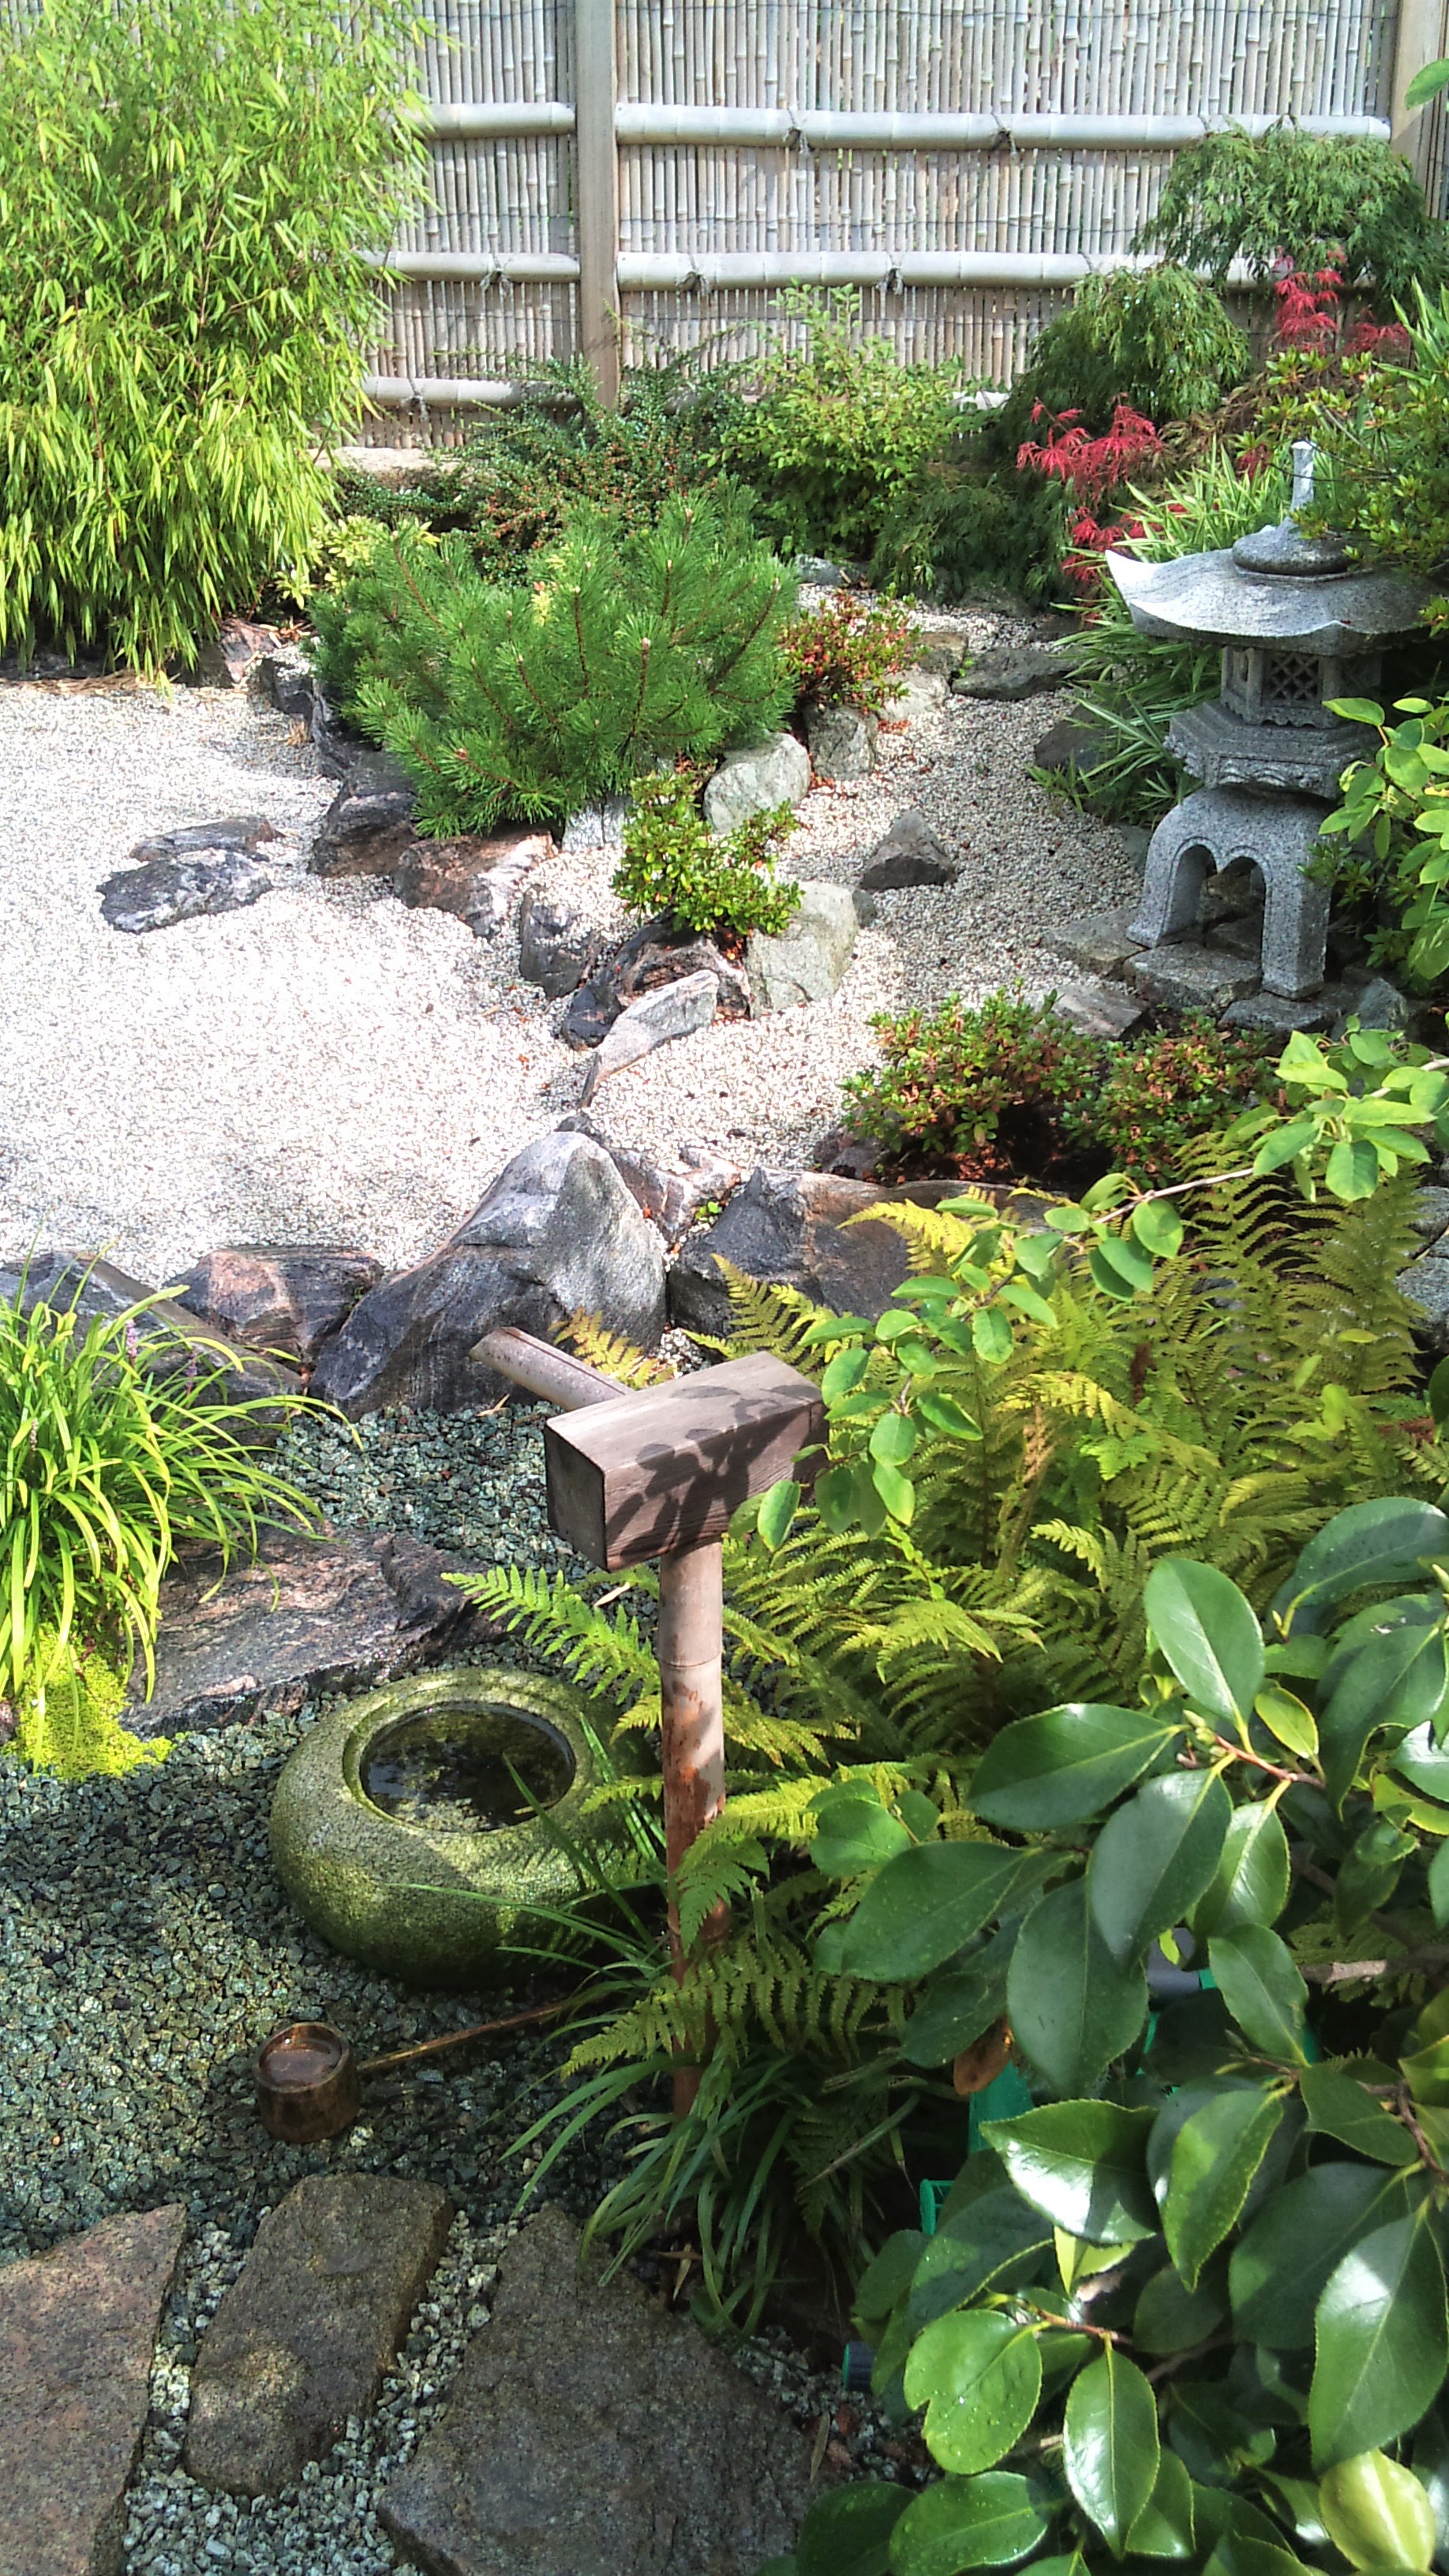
328, 1066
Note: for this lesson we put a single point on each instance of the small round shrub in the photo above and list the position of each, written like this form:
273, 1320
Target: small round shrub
674, 864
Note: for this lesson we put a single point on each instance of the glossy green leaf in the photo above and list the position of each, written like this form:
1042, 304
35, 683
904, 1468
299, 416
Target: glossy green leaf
893, 1439
1369, 1543
1426, 84
1155, 1857
1158, 1228
1262, 1988
1084, 2165
1164, 2527
1172, 2318
927, 1902
887, 2277
854, 1832
1244, 2554
1073, 2008
1424, 1762
943, 1415
778, 1506
1377, 2512
844, 1372
978, 2375
847, 2532
1396, 1677
987, 2521
1439, 1885
1297, 2240
1287, 1717
895, 1490
991, 1335
997, 2243
1066, 1765
1382, 2342
1339, 2107
1209, 1634
955, 2008
1250, 1883
1111, 2449
1215, 2156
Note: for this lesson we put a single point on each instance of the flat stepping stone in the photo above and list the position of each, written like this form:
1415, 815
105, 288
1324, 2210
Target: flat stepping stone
303, 2336
590, 2433
202, 868
77, 2331
307, 1615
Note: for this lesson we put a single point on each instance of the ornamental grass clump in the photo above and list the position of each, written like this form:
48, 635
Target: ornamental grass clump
187, 196
112, 1460
627, 648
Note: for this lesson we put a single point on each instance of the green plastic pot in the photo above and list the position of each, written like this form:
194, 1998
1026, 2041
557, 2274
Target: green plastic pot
434, 1905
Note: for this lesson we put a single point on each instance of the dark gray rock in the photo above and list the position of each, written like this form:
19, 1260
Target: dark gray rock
307, 1615
557, 948
909, 854
589, 2434
755, 781
1240, 936
1278, 1017
283, 1297
1070, 744
166, 891
806, 961
793, 1228
1097, 942
474, 879
672, 1011
1381, 1005
670, 1200
1429, 1215
170, 1340
942, 650
201, 868
302, 2338
1099, 1010
1017, 671
596, 827
656, 954
341, 750
287, 686
77, 2330
369, 822
1183, 976
1425, 1283
557, 1234
841, 741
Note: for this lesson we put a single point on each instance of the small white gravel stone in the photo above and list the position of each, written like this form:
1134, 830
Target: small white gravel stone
331, 1066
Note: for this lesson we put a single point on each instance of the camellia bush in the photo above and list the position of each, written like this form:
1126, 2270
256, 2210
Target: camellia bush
188, 193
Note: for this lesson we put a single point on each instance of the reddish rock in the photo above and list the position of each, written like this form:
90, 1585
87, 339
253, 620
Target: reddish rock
473, 879
77, 2329
228, 661
278, 1296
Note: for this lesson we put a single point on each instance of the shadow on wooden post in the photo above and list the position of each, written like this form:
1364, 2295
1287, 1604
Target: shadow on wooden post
660, 1474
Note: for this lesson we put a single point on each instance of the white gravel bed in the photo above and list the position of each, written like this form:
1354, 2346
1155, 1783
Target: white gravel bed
329, 1066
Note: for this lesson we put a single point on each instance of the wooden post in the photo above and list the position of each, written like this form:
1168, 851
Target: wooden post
596, 191
1419, 38
658, 1474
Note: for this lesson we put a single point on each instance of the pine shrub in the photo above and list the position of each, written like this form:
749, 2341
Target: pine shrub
187, 192
628, 649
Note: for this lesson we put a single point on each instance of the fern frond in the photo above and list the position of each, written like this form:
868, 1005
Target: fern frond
767, 1315
607, 1653
612, 1353
713, 1872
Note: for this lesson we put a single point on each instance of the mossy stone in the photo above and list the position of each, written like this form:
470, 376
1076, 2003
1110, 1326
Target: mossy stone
431, 1905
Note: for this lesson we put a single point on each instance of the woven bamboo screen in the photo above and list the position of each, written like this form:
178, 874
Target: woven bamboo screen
505, 203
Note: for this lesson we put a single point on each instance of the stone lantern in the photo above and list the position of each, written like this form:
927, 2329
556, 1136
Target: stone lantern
1299, 626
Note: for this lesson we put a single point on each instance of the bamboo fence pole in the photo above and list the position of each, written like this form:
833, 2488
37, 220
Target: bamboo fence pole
596, 191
